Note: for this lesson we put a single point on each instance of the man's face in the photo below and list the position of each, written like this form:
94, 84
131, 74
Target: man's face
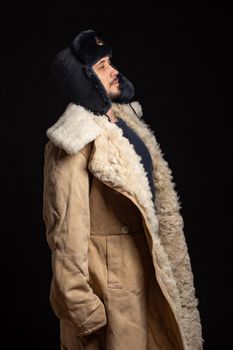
108, 76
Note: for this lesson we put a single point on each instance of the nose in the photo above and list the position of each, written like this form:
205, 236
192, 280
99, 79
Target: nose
114, 71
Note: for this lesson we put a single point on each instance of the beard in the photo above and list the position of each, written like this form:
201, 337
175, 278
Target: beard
114, 94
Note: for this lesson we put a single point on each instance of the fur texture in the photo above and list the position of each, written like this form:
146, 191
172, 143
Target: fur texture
115, 163
89, 47
170, 229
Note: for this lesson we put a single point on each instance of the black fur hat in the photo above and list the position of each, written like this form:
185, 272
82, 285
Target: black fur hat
72, 68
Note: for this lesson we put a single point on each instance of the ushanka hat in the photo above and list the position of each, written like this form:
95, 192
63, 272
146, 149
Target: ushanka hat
72, 68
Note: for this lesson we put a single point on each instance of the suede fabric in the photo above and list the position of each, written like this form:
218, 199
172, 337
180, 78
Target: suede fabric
122, 277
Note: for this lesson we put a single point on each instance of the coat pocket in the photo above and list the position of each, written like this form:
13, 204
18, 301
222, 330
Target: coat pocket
114, 261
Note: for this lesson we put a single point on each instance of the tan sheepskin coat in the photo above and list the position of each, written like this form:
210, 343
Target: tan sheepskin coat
122, 278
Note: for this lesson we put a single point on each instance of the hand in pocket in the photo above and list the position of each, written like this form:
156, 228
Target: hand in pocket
93, 337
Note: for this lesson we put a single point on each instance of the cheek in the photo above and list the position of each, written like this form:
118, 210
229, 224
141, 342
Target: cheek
106, 84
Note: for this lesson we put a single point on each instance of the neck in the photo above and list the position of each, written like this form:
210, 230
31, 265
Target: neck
111, 115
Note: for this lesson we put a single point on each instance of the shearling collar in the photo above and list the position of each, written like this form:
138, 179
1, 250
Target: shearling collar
77, 126
74, 129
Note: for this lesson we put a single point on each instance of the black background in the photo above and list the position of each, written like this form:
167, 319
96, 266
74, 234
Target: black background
177, 56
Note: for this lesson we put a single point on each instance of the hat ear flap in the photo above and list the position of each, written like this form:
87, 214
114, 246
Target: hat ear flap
75, 83
98, 85
126, 88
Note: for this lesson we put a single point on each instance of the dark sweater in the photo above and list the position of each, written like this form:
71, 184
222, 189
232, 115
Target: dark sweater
140, 149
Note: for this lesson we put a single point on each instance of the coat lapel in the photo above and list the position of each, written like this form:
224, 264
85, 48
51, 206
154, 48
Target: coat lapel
115, 162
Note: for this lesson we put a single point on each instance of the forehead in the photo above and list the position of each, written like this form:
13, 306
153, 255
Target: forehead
102, 60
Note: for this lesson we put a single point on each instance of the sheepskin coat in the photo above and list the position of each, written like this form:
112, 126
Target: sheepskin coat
122, 277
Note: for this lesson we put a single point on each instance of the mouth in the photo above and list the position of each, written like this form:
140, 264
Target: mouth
115, 82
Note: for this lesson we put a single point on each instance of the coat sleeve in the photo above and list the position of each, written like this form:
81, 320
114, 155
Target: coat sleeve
66, 215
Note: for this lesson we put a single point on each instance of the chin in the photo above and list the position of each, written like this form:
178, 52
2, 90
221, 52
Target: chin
114, 93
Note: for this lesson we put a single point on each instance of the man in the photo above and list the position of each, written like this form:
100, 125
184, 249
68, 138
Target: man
122, 277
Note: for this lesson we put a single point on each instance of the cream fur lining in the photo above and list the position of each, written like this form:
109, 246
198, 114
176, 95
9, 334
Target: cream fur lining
170, 232
74, 129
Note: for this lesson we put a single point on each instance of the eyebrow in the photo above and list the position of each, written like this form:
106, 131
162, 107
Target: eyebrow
103, 60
